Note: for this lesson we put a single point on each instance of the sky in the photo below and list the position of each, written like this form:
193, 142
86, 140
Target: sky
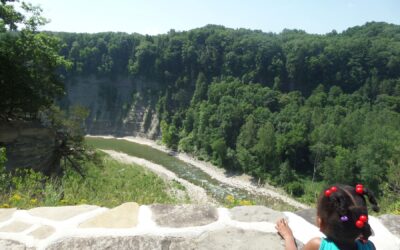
159, 16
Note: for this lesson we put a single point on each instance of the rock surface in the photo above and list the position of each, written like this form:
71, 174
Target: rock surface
238, 239
42, 232
183, 215
12, 245
309, 215
162, 227
60, 213
123, 216
119, 106
392, 222
29, 145
255, 214
15, 227
6, 213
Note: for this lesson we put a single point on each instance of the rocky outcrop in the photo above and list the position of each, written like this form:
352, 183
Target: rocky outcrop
163, 227
120, 106
29, 145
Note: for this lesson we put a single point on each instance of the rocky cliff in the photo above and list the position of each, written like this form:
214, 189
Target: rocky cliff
118, 106
29, 145
164, 227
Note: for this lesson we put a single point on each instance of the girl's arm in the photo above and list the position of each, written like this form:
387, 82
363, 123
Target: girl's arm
286, 233
290, 244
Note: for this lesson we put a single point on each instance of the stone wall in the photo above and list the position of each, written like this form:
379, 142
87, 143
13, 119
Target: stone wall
28, 145
163, 227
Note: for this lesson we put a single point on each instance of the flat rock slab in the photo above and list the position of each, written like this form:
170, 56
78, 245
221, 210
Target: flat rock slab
15, 227
239, 239
6, 213
13, 245
183, 215
309, 215
128, 242
392, 223
255, 214
123, 216
42, 232
61, 213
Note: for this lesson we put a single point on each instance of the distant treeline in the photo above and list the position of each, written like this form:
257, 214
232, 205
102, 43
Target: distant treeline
283, 107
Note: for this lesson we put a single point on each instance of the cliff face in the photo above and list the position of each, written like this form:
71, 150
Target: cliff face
29, 145
119, 106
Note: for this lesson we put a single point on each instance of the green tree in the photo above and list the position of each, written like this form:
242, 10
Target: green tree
265, 149
29, 80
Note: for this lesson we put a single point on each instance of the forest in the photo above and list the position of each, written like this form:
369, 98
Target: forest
288, 108
291, 109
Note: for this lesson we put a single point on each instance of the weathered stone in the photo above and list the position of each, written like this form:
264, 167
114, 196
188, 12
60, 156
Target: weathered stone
235, 238
12, 245
123, 216
6, 213
29, 145
15, 227
60, 213
184, 215
392, 223
255, 214
42, 232
128, 242
309, 215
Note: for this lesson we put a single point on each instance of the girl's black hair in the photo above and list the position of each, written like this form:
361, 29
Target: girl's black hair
345, 202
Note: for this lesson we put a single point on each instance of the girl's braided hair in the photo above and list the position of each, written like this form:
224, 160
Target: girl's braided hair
340, 211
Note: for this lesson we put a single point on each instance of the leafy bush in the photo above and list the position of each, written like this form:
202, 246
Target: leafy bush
295, 188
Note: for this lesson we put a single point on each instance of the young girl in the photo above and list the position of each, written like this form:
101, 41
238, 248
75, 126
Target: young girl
342, 216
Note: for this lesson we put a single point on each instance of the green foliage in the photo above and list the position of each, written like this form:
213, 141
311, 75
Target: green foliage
3, 158
295, 188
28, 77
4, 177
169, 135
108, 183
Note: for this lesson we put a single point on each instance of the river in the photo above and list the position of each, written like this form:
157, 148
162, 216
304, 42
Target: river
218, 184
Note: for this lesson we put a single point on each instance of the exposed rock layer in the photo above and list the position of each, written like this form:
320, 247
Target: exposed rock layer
29, 145
119, 106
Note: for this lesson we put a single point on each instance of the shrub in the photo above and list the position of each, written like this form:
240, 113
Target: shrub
295, 188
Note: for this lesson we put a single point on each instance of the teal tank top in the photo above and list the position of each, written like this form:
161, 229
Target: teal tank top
330, 245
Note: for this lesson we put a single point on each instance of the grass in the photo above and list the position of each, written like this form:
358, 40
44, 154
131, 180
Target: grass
108, 183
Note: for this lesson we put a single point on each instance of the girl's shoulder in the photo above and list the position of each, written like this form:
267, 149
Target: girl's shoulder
313, 244
327, 245
365, 245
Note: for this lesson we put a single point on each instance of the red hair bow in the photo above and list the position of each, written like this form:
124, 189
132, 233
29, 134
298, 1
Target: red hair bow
330, 191
360, 189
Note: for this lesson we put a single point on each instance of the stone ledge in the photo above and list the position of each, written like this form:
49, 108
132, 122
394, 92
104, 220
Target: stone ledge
15, 227
255, 214
6, 213
60, 213
183, 215
123, 216
130, 226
